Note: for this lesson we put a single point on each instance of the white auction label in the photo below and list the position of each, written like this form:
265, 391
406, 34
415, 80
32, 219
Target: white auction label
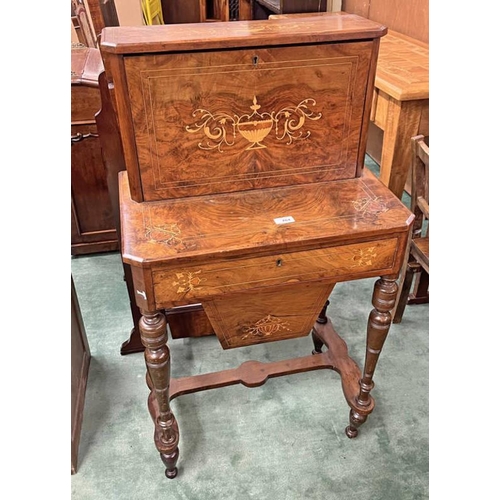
284, 220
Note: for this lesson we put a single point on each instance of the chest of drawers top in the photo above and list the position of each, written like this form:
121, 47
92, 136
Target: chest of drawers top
237, 34
213, 108
86, 64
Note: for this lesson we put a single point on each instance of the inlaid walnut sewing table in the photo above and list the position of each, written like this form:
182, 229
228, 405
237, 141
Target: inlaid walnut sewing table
245, 192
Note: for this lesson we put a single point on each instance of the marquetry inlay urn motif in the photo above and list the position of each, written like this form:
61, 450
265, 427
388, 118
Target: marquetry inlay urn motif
221, 128
265, 327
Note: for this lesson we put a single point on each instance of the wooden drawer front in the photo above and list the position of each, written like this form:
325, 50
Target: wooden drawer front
191, 284
265, 117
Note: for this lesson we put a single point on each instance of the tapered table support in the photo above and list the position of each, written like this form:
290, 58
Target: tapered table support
379, 322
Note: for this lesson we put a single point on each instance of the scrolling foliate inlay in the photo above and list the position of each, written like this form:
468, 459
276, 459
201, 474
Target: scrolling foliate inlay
363, 257
169, 234
265, 327
370, 207
221, 128
187, 282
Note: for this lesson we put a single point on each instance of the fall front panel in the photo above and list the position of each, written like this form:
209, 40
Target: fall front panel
247, 119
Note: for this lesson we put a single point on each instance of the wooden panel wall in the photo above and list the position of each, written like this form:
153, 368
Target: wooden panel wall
407, 17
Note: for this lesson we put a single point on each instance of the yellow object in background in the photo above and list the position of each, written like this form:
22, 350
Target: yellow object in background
151, 12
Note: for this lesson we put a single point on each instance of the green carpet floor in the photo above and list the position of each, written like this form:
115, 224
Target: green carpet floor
282, 441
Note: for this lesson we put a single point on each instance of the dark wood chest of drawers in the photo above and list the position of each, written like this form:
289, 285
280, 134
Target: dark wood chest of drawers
92, 224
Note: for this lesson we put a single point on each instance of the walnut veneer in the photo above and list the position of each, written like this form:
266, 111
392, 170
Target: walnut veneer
245, 191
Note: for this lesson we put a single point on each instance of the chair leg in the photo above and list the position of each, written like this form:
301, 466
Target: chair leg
411, 268
420, 291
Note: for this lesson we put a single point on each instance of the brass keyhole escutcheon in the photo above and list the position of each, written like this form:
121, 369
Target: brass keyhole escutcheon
279, 263
255, 60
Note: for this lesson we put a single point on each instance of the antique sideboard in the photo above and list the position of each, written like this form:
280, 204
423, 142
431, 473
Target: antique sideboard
245, 191
92, 225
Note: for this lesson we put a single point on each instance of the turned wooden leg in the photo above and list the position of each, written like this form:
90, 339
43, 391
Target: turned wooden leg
379, 322
153, 329
322, 320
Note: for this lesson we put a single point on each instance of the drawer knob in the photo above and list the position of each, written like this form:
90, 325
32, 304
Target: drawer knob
279, 262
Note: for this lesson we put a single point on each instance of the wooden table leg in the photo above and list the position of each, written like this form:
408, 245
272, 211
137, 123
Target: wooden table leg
402, 123
379, 322
133, 344
153, 329
322, 320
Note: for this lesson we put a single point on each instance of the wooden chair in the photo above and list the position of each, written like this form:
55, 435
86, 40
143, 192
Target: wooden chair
417, 259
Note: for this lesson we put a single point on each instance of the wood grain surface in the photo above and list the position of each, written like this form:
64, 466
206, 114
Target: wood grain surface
266, 117
191, 284
236, 34
271, 314
200, 229
403, 67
